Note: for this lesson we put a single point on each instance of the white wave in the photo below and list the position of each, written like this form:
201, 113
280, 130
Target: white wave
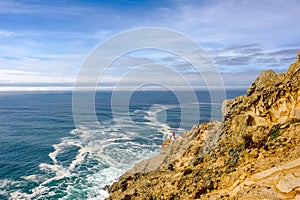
5, 184
114, 146
163, 127
33, 178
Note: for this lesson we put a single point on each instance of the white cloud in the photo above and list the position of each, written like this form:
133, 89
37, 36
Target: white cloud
234, 21
6, 34
16, 72
29, 89
43, 68
239, 35
23, 7
26, 77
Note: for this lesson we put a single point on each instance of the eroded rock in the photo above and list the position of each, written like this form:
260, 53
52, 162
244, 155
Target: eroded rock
252, 154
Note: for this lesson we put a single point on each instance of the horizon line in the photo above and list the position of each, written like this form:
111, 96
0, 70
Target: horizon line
71, 89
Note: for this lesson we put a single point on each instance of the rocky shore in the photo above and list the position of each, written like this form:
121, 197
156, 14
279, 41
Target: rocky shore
253, 154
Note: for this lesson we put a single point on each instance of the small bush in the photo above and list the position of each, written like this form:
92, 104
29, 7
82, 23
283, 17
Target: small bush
274, 132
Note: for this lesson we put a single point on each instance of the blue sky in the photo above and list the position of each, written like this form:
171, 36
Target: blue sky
44, 43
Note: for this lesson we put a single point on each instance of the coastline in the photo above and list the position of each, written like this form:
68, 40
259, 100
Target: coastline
253, 153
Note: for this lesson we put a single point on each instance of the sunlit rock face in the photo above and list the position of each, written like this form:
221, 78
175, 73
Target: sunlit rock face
253, 153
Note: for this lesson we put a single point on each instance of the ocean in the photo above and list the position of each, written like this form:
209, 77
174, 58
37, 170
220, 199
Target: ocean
44, 156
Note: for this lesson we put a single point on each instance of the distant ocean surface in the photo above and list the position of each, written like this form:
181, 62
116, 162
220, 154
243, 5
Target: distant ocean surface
43, 155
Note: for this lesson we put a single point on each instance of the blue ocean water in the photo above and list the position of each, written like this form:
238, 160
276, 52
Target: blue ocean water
44, 156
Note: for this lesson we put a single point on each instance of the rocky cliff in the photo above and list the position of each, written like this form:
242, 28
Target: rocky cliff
254, 153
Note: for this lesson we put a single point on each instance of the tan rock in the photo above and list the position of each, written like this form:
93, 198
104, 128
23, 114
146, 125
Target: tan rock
288, 183
252, 154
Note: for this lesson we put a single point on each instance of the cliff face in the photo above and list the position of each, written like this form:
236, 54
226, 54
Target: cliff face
253, 153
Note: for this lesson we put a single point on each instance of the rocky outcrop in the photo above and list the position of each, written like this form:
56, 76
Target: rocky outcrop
173, 150
253, 153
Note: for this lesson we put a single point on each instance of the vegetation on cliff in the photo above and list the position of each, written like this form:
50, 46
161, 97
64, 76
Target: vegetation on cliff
253, 153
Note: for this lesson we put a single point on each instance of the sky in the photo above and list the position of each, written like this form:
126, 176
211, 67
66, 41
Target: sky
43, 44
